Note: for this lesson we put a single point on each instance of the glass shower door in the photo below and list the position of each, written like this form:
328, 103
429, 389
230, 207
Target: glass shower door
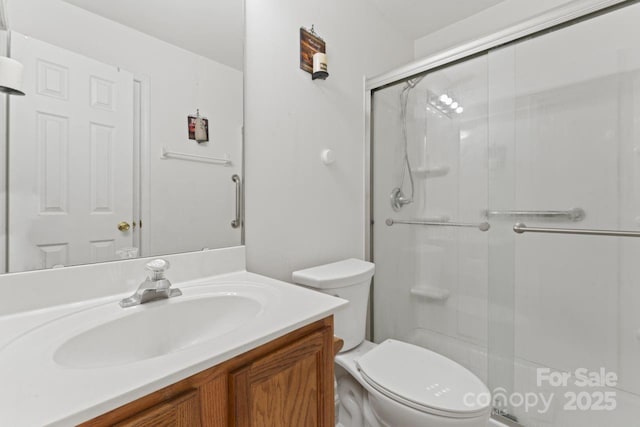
564, 154
540, 139
430, 148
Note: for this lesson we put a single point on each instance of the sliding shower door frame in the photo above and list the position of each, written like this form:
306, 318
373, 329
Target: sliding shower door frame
552, 20
549, 21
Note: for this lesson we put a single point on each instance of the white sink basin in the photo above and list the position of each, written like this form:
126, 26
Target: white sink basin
67, 364
156, 329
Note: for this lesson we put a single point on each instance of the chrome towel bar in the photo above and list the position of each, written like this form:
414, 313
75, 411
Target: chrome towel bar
165, 154
522, 228
575, 214
483, 226
237, 220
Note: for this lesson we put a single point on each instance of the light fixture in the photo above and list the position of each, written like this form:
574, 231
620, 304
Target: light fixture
10, 76
443, 103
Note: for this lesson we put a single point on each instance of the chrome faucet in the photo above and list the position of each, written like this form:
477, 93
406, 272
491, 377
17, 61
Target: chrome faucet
155, 286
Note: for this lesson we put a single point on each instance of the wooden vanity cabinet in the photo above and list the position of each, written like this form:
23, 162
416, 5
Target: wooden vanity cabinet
181, 411
287, 382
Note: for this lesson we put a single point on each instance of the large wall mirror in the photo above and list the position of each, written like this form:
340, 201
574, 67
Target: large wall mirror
99, 164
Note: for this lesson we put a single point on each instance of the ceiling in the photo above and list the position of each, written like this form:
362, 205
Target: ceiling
417, 18
214, 29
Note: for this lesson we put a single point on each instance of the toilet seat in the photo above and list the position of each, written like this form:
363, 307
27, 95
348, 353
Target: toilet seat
423, 380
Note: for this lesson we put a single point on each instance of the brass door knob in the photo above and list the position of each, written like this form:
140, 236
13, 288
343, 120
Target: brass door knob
124, 226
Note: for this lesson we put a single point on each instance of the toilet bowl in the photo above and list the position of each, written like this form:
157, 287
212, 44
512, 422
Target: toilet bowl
392, 384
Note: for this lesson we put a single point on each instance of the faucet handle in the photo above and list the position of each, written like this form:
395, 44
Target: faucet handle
157, 268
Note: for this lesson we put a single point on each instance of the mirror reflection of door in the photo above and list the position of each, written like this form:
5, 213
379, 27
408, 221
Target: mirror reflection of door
71, 173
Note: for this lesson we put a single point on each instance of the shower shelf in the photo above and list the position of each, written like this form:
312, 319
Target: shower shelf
431, 293
432, 172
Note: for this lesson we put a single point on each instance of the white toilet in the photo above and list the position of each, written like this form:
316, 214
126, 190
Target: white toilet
404, 385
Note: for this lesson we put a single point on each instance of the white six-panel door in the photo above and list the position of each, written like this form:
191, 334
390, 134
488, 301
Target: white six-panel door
70, 159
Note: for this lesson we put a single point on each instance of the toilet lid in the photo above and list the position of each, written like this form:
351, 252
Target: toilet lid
423, 380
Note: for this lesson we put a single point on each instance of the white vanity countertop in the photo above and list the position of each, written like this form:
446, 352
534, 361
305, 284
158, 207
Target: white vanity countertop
37, 391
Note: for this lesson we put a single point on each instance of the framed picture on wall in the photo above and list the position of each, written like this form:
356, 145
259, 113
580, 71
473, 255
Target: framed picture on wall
198, 128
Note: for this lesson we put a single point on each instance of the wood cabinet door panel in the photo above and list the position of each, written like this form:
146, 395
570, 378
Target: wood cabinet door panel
288, 398
182, 411
285, 388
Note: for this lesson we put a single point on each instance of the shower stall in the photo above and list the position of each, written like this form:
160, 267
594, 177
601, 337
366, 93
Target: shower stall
505, 213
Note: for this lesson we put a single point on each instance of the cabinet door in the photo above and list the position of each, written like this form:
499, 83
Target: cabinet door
182, 411
290, 387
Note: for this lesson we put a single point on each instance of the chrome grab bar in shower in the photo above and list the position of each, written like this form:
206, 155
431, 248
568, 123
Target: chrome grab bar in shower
575, 214
522, 228
483, 226
236, 222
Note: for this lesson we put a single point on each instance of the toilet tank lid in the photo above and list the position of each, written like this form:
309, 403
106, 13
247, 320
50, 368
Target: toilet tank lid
335, 275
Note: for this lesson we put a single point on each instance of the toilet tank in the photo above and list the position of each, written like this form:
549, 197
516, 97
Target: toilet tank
349, 279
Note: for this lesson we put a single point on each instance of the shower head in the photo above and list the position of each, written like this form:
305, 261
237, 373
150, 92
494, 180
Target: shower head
411, 83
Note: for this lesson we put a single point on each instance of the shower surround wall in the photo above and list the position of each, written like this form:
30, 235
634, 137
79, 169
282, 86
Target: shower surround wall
550, 123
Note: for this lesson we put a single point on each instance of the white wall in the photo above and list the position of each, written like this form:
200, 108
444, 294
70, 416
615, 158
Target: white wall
501, 16
191, 204
299, 212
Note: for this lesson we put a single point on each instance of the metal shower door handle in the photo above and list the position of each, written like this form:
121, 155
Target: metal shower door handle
236, 222
521, 228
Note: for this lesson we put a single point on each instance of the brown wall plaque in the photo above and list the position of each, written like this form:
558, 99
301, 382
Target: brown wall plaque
310, 44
